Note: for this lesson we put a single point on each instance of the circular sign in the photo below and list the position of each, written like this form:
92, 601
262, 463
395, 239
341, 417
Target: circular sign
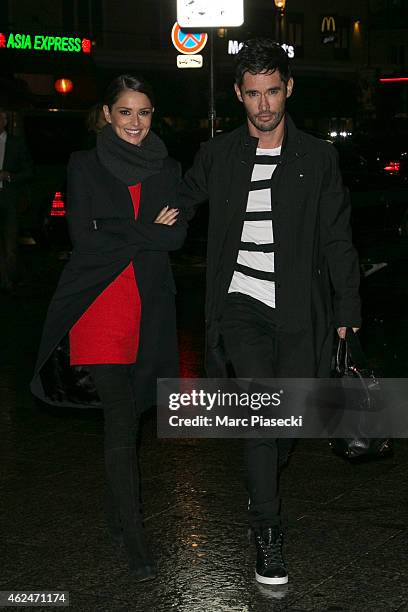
188, 42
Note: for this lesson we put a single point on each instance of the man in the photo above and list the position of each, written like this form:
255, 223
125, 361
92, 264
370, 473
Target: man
15, 170
279, 246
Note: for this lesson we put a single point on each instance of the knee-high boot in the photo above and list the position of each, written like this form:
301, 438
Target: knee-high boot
123, 478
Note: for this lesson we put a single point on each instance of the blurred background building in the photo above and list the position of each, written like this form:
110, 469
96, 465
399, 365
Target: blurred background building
341, 49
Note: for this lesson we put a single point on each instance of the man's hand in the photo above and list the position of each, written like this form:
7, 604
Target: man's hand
167, 216
342, 331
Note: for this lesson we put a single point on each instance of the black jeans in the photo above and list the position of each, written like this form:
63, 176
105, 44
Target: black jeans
258, 349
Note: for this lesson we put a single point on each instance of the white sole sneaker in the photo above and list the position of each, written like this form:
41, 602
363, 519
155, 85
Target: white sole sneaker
266, 580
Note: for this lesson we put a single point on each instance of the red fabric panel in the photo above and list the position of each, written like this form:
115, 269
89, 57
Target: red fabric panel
109, 330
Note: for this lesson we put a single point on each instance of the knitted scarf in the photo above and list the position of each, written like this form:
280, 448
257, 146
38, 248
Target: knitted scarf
130, 163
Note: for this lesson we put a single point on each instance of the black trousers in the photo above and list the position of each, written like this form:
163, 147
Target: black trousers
258, 349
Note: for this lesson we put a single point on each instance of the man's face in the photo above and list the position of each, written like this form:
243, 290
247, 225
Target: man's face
264, 97
3, 121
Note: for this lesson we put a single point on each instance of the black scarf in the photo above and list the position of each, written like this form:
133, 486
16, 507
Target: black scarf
130, 163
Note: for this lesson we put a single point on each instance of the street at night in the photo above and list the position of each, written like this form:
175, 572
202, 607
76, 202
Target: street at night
204, 305
346, 524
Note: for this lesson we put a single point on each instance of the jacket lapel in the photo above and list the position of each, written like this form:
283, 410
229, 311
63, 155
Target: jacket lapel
241, 173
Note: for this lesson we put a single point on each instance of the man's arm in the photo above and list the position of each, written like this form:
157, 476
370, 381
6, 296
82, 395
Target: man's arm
338, 248
193, 190
18, 165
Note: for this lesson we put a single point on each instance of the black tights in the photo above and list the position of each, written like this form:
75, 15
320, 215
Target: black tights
115, 389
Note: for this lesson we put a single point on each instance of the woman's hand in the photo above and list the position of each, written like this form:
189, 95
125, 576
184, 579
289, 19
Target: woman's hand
167, 216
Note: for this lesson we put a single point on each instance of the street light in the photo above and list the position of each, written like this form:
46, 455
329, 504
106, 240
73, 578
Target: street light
280, 5
279, 27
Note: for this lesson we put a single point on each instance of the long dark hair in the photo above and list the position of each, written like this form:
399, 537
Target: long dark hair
261, 55
124, 82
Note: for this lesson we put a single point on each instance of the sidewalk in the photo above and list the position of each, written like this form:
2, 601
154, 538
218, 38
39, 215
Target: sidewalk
347, 540
346, 544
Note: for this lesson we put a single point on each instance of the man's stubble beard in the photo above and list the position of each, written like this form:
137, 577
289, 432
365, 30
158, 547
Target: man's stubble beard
267, 127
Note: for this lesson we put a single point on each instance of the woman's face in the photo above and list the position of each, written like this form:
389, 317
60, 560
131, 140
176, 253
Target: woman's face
130, 116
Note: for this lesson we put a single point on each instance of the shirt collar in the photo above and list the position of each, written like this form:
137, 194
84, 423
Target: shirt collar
3, 136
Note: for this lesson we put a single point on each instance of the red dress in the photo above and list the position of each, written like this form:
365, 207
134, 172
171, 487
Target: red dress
109, 330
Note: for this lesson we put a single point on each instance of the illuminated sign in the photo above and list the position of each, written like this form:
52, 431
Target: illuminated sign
189, 61
328, 30
234, 46
204, 14
393, 79
64, 86
40, 42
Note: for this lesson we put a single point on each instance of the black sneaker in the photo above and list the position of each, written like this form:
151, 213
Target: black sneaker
270, 566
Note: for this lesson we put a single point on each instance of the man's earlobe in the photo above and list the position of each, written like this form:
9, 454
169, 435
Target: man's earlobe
238, 92
289, 88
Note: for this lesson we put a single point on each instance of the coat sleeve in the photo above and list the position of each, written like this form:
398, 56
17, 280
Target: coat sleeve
93, 235
337, 246
21, 165
194, 187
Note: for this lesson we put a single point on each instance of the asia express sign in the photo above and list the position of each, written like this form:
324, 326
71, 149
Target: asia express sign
41, 42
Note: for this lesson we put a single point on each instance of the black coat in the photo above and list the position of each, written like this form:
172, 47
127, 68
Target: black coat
317, 276
106, 238
18, 162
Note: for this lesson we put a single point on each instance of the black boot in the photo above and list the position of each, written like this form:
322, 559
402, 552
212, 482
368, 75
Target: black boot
122, 475
270, 566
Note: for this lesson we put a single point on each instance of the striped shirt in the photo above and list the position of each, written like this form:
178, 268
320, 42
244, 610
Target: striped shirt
255, 267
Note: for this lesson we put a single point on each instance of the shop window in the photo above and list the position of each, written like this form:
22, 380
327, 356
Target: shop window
342, 42
295, 32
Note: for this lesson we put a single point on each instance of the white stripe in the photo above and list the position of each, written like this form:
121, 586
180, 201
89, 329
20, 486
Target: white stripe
261, 290
259, 200
257, 260
260, 232
262, 172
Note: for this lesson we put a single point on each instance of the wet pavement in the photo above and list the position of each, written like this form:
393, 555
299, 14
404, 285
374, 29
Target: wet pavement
346, 525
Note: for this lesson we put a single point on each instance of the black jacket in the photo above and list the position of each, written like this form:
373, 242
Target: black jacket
317, 275
106, 238
17, 161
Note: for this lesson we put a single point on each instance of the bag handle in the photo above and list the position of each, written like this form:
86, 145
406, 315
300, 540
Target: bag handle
349, 353
356, 351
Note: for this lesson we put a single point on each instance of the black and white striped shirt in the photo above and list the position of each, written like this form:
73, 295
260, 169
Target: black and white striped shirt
255, 267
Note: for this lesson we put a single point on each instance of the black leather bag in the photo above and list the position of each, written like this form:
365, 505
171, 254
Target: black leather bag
350, 361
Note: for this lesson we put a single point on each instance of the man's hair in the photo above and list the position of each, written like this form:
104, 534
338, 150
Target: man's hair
261, 55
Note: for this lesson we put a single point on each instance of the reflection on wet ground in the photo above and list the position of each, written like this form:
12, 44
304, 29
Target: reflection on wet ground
346, 525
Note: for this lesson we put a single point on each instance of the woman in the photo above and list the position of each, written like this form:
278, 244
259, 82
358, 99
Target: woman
110, 330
